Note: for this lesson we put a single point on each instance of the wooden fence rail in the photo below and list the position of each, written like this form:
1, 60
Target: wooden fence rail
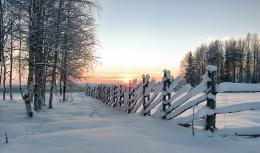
170, 98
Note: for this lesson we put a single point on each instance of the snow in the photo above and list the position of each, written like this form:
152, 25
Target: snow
237, 87
238, 108
251, 131
211, 68
83, 124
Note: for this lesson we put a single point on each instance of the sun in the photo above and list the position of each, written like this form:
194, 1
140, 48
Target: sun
125, 78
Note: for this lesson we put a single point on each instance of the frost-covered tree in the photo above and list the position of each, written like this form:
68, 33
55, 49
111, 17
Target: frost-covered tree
200, 59
248, 67
189, 73
238, 60
215, 56
49, 40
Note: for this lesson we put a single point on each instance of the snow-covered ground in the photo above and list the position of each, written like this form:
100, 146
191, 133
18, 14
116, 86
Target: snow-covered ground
85, 125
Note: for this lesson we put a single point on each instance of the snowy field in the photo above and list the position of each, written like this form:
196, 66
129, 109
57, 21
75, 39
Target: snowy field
85, 125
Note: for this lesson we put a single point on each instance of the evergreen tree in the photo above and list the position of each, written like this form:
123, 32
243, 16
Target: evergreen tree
190, 69
215, 56
237, 60
248, 67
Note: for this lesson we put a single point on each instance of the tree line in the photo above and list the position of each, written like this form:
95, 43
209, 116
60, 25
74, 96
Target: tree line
238, 60
46, 43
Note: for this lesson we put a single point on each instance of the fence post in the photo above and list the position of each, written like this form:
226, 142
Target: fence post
166, 94
124, 95
120, 96
114, 96
145, 94
211, 99
99, 91
129, 96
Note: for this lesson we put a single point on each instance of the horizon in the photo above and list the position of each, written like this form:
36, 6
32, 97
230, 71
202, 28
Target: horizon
162, 33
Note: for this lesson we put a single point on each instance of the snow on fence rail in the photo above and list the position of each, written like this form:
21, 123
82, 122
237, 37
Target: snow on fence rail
238, 87
169, 98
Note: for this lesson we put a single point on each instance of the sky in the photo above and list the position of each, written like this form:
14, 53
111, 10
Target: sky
146, 36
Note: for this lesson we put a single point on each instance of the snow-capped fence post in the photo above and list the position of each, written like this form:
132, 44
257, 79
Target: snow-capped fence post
94, 92
108, 94
99, 92
103, 93
211, 98
166, 93
121, 96
146, 95
129, 97
114, 102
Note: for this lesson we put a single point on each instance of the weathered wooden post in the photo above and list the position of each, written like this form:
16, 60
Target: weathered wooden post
211, 99
118, 95
166, 93
146, 95
122, 93
99, 92
108, 95
114, 96
86, 90
103, 93
94, 92
129, 96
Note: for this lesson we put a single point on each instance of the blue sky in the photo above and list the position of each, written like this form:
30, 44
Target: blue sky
147, 36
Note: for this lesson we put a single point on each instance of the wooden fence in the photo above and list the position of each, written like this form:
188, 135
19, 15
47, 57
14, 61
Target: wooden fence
169, 98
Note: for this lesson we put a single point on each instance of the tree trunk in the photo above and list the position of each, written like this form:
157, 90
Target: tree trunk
28, 98
234, 74
11, 67
254, 65
37, 49
1, 40
32, 39
65, 56
1, 72
53, 76
4, 79
60, 86
1, 35
44, 86
20, 50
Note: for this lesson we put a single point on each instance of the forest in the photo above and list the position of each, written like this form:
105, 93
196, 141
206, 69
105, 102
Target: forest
45, 44
238, 60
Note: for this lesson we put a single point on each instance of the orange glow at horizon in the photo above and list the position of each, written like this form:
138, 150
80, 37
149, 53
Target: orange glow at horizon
123, 77
107, 78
